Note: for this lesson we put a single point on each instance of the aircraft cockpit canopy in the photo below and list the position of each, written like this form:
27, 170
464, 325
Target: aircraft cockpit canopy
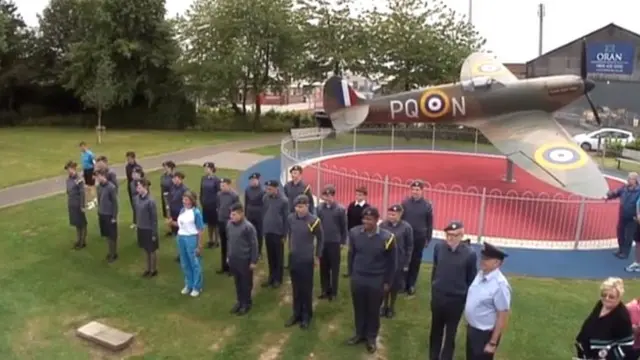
478, 83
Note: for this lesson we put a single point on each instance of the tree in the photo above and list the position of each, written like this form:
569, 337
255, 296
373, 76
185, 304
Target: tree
101, 93
335, 39
416, 44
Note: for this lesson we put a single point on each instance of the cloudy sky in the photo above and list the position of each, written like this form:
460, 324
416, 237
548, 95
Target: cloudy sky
510, 27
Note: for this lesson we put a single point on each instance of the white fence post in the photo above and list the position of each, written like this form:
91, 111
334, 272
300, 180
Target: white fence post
433, 136
385, 195
580, 223
475, 142
393, 136
483, 207
355, 131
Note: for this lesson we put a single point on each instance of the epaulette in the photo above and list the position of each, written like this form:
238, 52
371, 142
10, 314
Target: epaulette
79, 181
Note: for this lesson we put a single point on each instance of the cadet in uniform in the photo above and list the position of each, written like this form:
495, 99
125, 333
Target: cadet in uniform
254, 202
103, 163
108, 213
88, 160
404, 245
128, 169
226, 198
136, 175
454, 268
488, 306
354, 210
333, 218
76, 204
147, 226
166, 182
274, 225
209, 188
372, 262
295, 187
302, 228
242, 257
174, 203
418, 212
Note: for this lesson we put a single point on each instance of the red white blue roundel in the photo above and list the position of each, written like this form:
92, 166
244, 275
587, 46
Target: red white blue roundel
489, 68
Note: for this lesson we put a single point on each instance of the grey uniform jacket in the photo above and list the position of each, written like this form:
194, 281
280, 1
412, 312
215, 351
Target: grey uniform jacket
334, 222
146, 213
276, 211
302, 232
404, 240
225, 200
243, 241
108, 199
75, 192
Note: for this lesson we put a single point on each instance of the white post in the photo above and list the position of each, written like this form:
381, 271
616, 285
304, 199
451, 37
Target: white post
355, 131
393, 136
433, 136
483, 205
385, 195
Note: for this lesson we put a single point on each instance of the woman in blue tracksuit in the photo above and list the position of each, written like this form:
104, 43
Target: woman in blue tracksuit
627, 222
190, 228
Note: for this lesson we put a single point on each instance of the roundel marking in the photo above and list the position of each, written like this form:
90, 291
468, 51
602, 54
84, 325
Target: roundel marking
434, 104
564, 156
488, 68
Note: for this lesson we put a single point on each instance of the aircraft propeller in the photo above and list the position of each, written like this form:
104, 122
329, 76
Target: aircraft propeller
588, 84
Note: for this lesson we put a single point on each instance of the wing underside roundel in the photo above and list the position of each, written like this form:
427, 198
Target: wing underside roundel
485, 65
535, 142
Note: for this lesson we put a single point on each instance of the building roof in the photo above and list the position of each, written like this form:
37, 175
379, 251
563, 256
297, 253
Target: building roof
608, 26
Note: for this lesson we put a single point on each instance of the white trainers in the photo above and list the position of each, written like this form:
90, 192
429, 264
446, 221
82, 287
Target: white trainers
132, 226
634, 267
91, 205
195, 293
185, 291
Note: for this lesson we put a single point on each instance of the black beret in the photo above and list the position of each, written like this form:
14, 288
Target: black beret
225, 180
492, 252
209, 164
371, 211
329, 190
137, 169
272, 183
70, 165
170, 164
417, 183
454, 225
296, 168
301, 200
255, 175
395, 208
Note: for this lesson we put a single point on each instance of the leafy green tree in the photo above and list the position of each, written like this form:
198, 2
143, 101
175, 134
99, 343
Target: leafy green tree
101, 92
418, 44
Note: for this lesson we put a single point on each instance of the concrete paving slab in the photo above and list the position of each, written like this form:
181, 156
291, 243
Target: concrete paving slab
105, 336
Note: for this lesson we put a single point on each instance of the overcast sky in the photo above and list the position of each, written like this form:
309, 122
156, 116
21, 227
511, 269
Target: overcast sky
510, 26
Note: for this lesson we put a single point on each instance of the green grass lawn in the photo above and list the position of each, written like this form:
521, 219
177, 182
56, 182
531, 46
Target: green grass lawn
49, 290
33, 153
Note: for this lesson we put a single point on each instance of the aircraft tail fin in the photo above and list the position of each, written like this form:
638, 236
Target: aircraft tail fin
338, 94
346, 108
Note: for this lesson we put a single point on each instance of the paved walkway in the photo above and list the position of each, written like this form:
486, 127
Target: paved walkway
226, 155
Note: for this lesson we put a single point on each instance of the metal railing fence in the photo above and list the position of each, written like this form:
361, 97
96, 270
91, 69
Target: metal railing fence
512, 218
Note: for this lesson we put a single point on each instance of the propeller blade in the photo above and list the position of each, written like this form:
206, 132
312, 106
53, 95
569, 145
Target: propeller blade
583, 59
594, 109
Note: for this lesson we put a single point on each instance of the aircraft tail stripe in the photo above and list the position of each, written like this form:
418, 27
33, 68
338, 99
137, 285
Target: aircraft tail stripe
346, 94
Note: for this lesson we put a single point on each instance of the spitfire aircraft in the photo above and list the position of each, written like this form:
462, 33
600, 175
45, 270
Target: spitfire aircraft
515, 115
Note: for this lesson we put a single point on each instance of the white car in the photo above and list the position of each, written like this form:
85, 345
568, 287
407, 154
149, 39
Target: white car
595, 140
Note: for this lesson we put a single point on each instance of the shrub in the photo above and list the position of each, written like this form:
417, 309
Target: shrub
210, 119
613, 147
634, 145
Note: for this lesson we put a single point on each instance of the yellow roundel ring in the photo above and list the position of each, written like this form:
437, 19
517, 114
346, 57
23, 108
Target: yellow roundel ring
561, 156
434, 104
488, 68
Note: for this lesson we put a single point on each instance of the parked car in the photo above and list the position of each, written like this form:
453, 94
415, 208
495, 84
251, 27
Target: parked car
595, 140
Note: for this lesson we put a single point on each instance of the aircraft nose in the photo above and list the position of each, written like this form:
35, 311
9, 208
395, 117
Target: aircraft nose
588, 85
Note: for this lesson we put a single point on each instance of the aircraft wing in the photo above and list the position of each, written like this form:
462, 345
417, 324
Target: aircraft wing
535, 142
485, 65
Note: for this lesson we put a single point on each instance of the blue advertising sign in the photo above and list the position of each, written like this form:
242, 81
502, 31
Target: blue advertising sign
611, 58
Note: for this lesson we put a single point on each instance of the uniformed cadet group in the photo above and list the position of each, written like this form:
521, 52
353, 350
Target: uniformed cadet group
383, 255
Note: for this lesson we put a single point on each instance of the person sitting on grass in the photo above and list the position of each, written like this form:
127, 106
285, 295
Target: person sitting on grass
607, 332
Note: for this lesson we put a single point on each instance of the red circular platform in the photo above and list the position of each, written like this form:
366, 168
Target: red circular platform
528, 209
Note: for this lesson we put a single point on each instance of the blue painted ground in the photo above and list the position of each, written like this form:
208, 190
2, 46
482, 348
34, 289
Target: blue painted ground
577, 264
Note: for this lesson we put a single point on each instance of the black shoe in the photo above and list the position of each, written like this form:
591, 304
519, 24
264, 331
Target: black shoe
221, 271
229, 274
210, 245
235, 309
411, 291
177, 259
243, 311
292, 321
77, 246
371, 347
391, 313
622, 256
168, 233
83, 245
108, 257
147, 273
304, 325
331, 297
323, 296
266, 284
355, 340
154, 273
113, 258
384, 311
345, 275
276, 284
